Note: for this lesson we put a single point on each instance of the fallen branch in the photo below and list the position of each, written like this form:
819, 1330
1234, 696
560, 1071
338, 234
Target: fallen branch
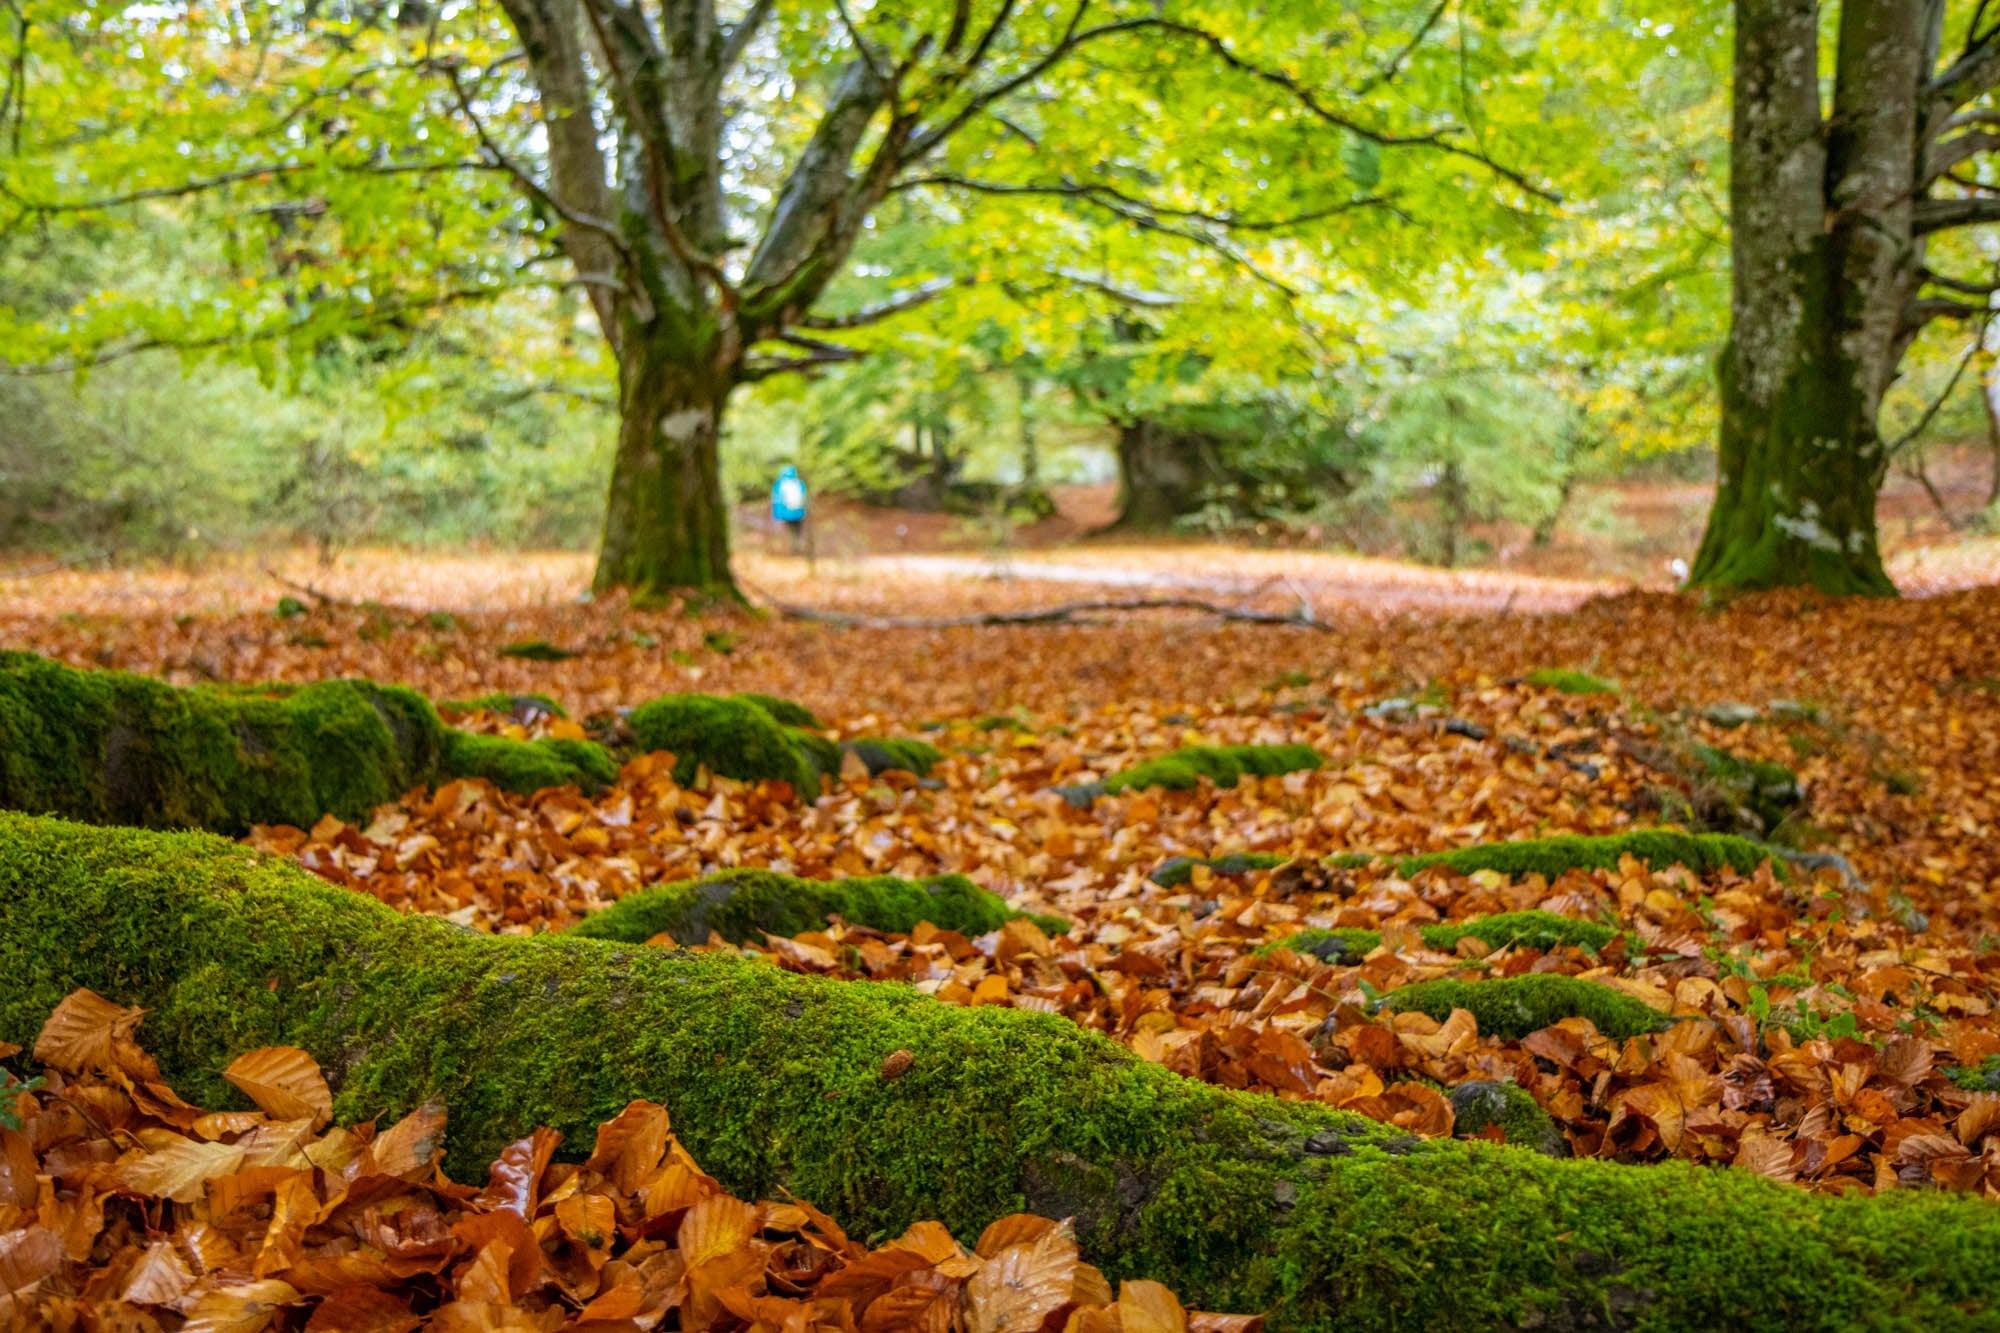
1065, 614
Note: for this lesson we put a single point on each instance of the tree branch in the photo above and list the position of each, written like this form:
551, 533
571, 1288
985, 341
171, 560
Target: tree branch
745, 29
1065, 613
1387, 74
1933, 215
1095, 191
1973, 73
875, 314
1947, 155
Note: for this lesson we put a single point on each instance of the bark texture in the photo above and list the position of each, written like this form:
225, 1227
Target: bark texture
1162, 472
1239, 1201
1832, 215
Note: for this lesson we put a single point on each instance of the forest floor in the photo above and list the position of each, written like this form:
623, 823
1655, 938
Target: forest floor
1832, 1033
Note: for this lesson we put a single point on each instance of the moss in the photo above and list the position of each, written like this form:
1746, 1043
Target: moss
785, 711
502, 701
999, 722
537, 650
1512, 1007
733, 737
1177, 871
1982, 1077
1571, 682
1703, 853
526, 767
1526, 930
1484, 1103
742, 905
1239, 1201
883, 754
109, 747
1224, 765
1768, 791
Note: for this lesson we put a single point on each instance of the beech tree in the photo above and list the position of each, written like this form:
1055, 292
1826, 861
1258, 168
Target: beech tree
1839, 213
709, 178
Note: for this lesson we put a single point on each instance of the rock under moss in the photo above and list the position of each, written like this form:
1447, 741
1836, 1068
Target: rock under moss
503, 701
1526, 930
735, 737
886, 754
109, 747
1768, 792
1237, 1200
743, 905
1483, 1103
1511, 1007
1224, 765
1177, 871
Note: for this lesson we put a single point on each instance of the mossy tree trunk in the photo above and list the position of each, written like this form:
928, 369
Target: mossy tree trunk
776, 1081
666, 520
1830, 217
1162, 471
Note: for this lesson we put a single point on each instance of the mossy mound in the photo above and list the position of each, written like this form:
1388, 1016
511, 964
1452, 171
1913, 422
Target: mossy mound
1769, 792
1484, 1103
1511, 1007
885, 754
735, 737
526, 767
743, 905
1237, 1200
1524, 930
1177, 871
1571, 682
1224, 765
109, 747
1703, 853
784, 711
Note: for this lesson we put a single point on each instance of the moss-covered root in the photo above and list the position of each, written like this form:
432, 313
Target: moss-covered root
526, 767
114, 748
1224, 765
736, 737
889, 754
1702, 853
1239, 1201
742, 905
1177, 871
1512, 1007
1525, 930
1483, 1105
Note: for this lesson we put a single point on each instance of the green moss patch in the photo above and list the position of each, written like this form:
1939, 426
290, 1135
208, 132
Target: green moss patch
1768, 791
109, 747
1525, 930
1224, 765
744, 905
1571, 682
883, 754
735, 737
775, 1081
1982, 1077
1177, 871
1511, 1007
1482, 1104
1702, 853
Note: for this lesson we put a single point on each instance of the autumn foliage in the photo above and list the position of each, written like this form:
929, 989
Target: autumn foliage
123, 1207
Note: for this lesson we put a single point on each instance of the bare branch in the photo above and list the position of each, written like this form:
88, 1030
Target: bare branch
1973, 73
755, 369
875, 314
1066, 613
1923, 311
1387, 74
1909, 436
861, 46
1947, 155
1096, 191
744, 30
1932, 215
1950, 283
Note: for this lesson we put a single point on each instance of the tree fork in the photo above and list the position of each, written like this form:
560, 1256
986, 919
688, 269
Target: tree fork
1241, 1201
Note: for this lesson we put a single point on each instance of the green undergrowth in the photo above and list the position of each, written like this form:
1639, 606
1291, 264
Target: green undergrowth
110, 747
775, 1081
1224, 765
1525, 930
743, 905
1982, 1077
1511, 1007
1571, 682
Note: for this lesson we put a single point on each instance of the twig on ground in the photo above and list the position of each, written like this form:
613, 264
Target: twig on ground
1065, 613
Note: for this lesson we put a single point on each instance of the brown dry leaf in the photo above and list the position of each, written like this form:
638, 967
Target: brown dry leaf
285, 1082
362, 1310
161, 1277
27, 1256
178, 1170
716, 1228
248, 1308
89, 1033
1149, 1307
1767, 1156
409, 1148
630, 1145
1022, 1285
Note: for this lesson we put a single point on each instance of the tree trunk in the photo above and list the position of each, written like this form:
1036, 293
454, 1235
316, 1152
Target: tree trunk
1161, 473
666, 523
1989, 396
1239, 1201
1824, 262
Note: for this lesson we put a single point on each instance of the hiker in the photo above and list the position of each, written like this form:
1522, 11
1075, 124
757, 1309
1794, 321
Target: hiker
788, 506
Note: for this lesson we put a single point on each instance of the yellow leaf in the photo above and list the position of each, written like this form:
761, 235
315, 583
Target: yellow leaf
285, 1083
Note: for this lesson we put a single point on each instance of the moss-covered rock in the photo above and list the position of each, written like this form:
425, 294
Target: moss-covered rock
1703, 853
743, 905
503, 701
1512, 1007
1524, 930
735, 737
1176, 871
886, 754
1567, 681
109, 747
526, 767
1484, 1103
1239, 1201
784, 711
1768, 792
1224, 765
